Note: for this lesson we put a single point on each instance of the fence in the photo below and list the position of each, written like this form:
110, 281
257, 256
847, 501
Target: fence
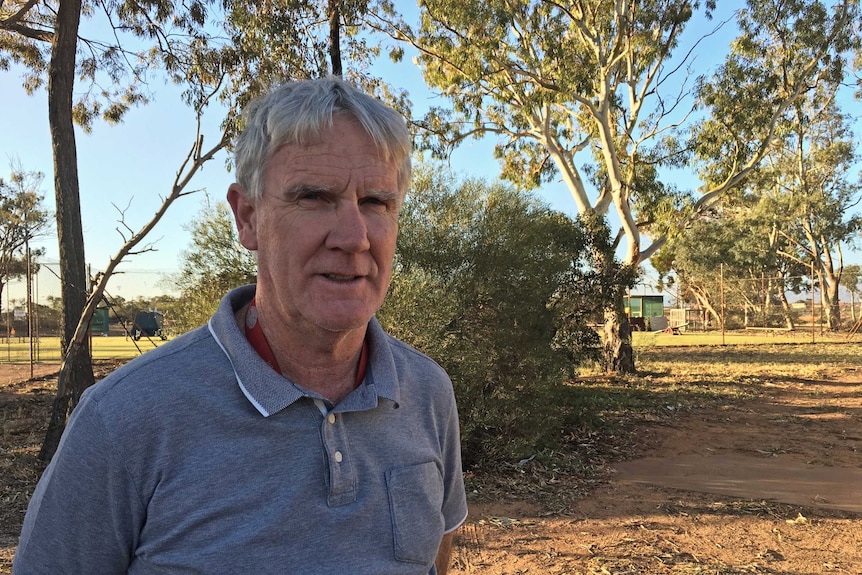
30, 316
765, 304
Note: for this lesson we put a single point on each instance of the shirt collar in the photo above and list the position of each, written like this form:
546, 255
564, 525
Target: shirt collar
270, 392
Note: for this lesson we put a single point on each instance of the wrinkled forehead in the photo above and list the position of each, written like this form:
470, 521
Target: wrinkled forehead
317, 135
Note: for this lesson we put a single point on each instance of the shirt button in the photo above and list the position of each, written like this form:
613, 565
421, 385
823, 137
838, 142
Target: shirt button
338, 457
331, 418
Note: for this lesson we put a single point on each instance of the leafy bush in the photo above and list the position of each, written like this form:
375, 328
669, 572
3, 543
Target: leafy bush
214, 263
480, 273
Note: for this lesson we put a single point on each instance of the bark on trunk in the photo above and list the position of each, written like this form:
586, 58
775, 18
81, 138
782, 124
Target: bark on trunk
704, 302
833, 311
830, 309
853, 307
787, 310
77, 372
335, 36
619, 356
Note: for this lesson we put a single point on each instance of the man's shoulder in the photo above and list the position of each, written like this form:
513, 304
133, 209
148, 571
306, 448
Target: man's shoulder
164, 367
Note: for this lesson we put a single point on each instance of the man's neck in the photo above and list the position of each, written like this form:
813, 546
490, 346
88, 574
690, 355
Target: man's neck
323, 362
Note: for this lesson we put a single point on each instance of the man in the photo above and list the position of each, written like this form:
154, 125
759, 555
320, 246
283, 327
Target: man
290, 434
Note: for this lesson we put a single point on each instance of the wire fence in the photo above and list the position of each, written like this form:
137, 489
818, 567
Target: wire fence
786, 304
30, 315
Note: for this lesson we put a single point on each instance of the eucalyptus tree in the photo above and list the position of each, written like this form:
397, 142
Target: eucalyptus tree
44, 37
595, 93
22, 218
805, 176
795, 211
813, 180
850, 280
729, 264
86, 78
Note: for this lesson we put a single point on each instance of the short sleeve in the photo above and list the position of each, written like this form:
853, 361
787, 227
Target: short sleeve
454, 498
85, 514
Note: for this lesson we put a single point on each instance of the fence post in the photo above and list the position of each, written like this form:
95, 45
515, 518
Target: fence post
812, 301
721, 291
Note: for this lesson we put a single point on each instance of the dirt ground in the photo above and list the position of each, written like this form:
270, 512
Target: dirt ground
767, 486
772, 485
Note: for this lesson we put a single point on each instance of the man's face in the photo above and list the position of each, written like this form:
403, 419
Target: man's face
324, 230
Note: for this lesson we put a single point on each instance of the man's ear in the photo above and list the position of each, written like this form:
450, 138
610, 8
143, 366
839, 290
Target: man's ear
244, 214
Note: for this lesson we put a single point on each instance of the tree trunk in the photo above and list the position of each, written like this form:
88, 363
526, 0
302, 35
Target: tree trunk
833, 315
618, 353
704, 302
77, 372
786, 309
853, 306
831, 303
335, 36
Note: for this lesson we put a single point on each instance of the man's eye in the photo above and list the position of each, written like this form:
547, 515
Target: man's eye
374, 201
311, 196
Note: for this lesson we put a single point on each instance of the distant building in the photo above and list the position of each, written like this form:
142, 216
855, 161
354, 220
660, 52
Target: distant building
645, 305
640, 308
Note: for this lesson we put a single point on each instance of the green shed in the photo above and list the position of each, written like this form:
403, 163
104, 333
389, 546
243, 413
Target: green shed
99, 324
645, 305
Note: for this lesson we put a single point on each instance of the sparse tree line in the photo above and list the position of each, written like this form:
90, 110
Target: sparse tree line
603, 96
764, 302
785, 228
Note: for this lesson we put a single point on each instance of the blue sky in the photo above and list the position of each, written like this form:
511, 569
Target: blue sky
132, 165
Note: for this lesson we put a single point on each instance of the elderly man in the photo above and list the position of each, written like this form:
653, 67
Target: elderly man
291, 434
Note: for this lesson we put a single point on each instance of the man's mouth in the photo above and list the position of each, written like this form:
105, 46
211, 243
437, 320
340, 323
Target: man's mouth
340, 278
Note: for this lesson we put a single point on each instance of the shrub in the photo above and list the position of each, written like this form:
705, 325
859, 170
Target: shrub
480, 270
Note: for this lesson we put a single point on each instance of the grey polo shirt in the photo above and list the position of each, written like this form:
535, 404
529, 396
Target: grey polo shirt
199, 458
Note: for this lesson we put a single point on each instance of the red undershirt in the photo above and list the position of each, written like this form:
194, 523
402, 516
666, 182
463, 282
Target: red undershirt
255, 337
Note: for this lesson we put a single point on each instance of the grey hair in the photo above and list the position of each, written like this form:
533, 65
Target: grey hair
297, 112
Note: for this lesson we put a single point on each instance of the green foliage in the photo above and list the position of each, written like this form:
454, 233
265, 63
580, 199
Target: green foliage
480, 275
850, 278
577, 92
794, 210
214, 263
785, 51
574, 91
228, 50
111, 73
22, 218
279, 40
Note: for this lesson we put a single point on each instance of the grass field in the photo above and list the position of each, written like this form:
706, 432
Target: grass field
642, 339
47, 349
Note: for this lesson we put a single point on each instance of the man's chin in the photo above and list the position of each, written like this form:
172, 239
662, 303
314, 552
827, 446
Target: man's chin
340, 316
344, 324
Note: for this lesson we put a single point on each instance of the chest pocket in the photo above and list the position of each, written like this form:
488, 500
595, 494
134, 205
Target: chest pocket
415, 503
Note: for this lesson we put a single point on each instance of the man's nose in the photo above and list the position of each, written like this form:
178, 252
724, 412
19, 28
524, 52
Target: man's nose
349, 231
